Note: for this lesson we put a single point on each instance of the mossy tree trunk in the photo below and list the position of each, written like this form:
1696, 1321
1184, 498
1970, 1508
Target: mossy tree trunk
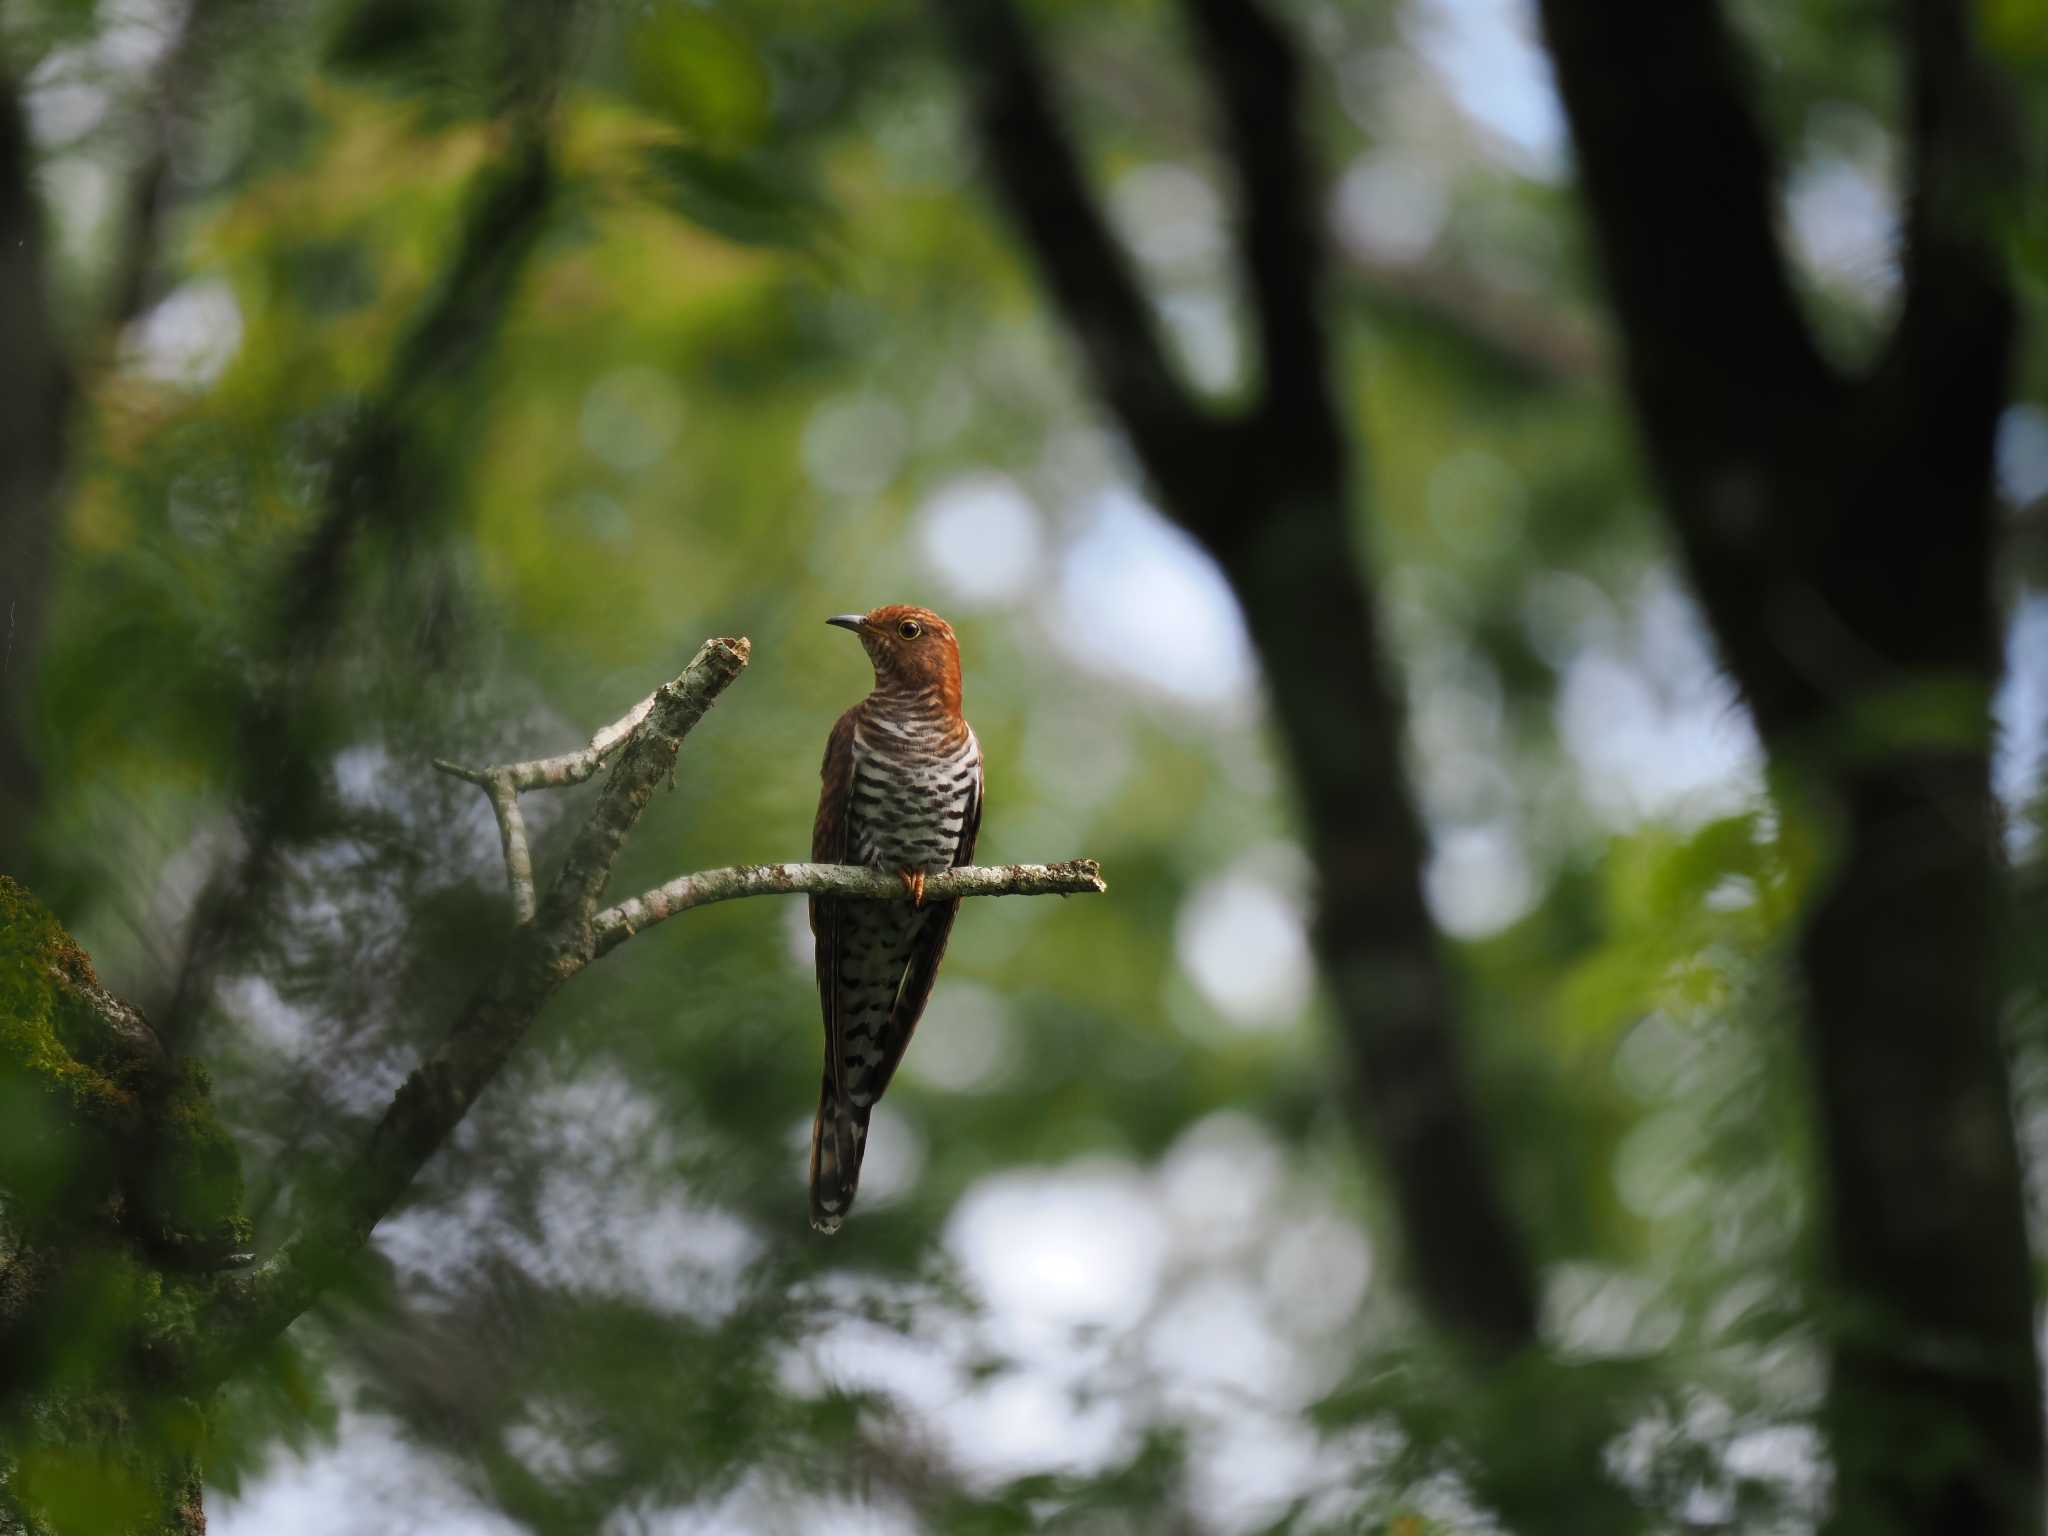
120, 1199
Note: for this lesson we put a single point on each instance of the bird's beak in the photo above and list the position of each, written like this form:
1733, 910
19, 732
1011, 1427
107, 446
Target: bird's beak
853, 621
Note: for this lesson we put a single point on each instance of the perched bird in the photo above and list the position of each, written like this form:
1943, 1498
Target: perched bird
902, 792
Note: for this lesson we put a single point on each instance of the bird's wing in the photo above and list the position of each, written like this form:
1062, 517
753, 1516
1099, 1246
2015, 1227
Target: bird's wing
828, 846
928, 947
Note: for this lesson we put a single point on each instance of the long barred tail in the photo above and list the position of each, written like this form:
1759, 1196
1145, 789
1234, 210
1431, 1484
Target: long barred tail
838, 1137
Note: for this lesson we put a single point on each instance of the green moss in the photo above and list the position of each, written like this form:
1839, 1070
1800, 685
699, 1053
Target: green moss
61, 1118
85, 1110
192, 1183
43, 1008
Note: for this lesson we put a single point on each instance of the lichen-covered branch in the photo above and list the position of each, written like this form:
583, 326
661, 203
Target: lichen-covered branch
616, 924
502, 782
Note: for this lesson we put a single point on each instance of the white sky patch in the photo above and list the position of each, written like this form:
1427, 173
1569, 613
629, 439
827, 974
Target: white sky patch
759, 1508
1084, 1245
2020, 751
1077, 753
1171, 216
1843, 224
63, 104
134, 34
1139, 600
982, 537
965, 1042
858, 1354
1655, 729
1455, 726
632, 418
614, 1218
370, 1478
1030, 1421
1218, 1179
1389, 206
555, 1446
1246, 1472
2023, 453
1478, 880
1242, 938
190, 336
894, 1159
800, 945
1213, 1338
1487, 53
1591, 1312
854, 446
1200, 320
1316, 1273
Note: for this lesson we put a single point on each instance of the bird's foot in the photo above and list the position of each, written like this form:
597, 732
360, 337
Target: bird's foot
913, 882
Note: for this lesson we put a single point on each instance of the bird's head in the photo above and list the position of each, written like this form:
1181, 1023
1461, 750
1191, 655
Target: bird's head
912, 648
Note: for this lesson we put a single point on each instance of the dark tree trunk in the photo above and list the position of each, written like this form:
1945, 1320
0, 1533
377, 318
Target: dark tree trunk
35, 402
1838, 531
1271, 494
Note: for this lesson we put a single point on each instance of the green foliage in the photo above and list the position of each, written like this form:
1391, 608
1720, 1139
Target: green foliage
60, 1112
768, 321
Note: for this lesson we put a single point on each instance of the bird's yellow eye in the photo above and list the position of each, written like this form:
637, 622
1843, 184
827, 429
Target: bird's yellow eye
910, 629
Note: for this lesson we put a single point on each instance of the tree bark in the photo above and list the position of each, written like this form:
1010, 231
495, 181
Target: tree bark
35, 407
1839, 534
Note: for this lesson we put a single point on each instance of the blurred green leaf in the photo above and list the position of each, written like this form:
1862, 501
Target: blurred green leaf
692, 66
754, 200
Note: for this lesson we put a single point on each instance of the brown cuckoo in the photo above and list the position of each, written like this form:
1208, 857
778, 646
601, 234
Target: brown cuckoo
902, 792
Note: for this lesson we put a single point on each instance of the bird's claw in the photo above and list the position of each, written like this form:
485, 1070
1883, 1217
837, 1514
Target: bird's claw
913, 882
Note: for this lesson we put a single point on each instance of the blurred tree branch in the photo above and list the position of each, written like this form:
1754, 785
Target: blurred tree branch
383, 478
1540, 342
1839, 534
196, 45
43, 382
1270, 494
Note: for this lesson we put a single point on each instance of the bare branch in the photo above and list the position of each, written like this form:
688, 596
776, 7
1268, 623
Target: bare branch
502, 782
561, 771
1258, 74
1040, 172
649, 758
504, 797
616, 924
195, 50
1535, 338
1963, 173
1681, 186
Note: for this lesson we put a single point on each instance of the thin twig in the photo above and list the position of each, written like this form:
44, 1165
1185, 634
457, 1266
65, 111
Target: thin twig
560, 771
502, 782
